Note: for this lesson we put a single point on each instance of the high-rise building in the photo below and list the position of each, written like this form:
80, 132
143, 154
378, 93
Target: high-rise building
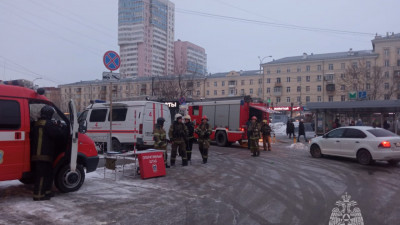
190, 58
146, 37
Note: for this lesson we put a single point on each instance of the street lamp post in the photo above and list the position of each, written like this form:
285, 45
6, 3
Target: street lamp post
263, 75
33, 81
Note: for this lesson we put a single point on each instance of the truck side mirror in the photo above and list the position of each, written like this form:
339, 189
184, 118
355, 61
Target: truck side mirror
83, 127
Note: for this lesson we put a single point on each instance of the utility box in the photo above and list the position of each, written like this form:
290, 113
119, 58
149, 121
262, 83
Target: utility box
151, 164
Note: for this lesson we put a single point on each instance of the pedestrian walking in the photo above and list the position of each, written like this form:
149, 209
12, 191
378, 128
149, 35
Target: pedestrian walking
178, 135
204, 131
302, 131
266, 135
359, 122
254, 136
45, 135
189, 141
290, 128
160, 139
386, 125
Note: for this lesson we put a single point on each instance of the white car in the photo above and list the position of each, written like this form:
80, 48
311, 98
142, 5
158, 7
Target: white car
366, 144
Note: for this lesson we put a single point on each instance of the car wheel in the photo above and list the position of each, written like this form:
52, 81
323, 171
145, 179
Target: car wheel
393, 162
116, 145
68, 181
221, 139
315, 151
364, 157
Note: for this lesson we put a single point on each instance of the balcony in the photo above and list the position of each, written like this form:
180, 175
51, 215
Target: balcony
278, 84
232, 84
330, 87
277, 93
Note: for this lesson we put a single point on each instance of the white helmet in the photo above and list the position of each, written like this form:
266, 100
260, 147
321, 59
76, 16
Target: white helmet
177, 116
187, 117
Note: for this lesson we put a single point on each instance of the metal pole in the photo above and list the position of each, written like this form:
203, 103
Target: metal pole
110, 116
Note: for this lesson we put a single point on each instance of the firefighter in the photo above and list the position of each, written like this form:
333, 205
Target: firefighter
160, 139
204, 131
45, 134
178, 134
266, 135
254, 136
189, 143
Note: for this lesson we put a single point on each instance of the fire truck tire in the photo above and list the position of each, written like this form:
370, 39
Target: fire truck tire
221, 138
67, 181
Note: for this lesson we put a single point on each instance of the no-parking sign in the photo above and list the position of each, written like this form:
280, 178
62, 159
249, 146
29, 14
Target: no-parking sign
111, 60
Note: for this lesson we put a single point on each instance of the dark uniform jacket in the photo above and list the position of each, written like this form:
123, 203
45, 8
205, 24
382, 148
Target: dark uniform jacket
45, 134
204, 131
160, 138
254, 131
266, 130
190, 129
178, 132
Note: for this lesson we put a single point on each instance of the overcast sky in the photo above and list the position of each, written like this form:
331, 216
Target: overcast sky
64, 41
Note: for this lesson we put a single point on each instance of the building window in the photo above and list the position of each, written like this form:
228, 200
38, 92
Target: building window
386, 86
298, 69
307, 98
215, 84
319, 77
398, 51
368, 86
268, 80
251, 82
398, 62
343, 98
259, 81
387, 97
288, 70
330, 67
215, 92
387, 64
287, 99
330, 98
342, 87
288, 79
354, 65
343, 66
223, 83
198, 84
278, 71
268, 71
319, 67
319, 99
278, 80
308, 78
198, 93
386, 52
298, 99
298, 78
368, 64
298, 88
251, 90
307, 88
242, 91
343, 75
223, 92
288, 89
208, 92
308, 68
277, 89
278, 99
268, 90
387, 74
319, 88
242, 82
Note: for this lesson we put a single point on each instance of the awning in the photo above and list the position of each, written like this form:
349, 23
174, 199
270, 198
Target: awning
264, 109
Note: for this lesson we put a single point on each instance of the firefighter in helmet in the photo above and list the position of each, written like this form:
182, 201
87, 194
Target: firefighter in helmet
178, 134
160, 138
189, 143
45, 134
204, 131
254, 131
266, 135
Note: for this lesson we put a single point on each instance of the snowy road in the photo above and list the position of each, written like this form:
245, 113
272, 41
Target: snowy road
285, 186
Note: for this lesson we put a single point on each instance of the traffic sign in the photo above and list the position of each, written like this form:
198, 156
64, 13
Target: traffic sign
352, 95
362, 94
111, 60
182, 100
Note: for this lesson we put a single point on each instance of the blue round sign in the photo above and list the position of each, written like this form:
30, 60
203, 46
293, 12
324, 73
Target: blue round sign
111, 60
182, 100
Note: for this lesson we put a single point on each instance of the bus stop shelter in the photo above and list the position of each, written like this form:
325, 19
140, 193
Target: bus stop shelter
370, 112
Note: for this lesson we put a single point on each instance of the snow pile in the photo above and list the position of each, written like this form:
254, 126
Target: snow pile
279, 128
298, 146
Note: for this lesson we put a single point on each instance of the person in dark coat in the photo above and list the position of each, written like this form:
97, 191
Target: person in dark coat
386, 125
302, 131
291, 129
287, 127
45, 134
189, 142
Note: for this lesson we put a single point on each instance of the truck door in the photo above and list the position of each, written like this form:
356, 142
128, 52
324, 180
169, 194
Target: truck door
74, 131
149, 120
14, 139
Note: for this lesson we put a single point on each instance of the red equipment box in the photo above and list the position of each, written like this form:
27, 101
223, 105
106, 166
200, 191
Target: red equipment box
151, 164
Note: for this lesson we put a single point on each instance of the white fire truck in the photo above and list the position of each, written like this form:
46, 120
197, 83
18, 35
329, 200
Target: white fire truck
228, 117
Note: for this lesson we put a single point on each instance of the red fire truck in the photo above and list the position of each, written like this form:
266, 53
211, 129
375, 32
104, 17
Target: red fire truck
228, 117
19, 108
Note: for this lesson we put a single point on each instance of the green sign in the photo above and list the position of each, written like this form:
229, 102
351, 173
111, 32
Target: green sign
352, 95
269, 100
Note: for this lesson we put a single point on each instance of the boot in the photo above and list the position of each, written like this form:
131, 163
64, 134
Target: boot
172, 163
204, 160
258, 152
184, 162
166, 165
254, 154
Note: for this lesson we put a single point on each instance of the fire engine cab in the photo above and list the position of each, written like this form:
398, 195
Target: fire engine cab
19, 108
228, 117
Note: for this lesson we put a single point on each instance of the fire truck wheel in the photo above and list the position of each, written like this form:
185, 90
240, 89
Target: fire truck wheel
67, 181
221, 138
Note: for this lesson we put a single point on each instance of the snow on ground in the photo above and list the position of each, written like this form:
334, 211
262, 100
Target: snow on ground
298, 146
279, 128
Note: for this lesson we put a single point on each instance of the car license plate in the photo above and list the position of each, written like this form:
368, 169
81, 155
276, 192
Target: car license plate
397, 144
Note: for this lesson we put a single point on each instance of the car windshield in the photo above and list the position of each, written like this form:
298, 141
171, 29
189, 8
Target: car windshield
381, 133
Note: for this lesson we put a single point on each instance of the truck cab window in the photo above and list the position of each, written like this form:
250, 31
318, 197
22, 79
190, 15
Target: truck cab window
10, 119
98, 115
34, 112
118, 114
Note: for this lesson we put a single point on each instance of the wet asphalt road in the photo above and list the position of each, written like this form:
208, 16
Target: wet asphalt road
284, 186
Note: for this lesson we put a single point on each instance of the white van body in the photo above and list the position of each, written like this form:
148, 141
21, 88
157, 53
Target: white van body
133, 122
